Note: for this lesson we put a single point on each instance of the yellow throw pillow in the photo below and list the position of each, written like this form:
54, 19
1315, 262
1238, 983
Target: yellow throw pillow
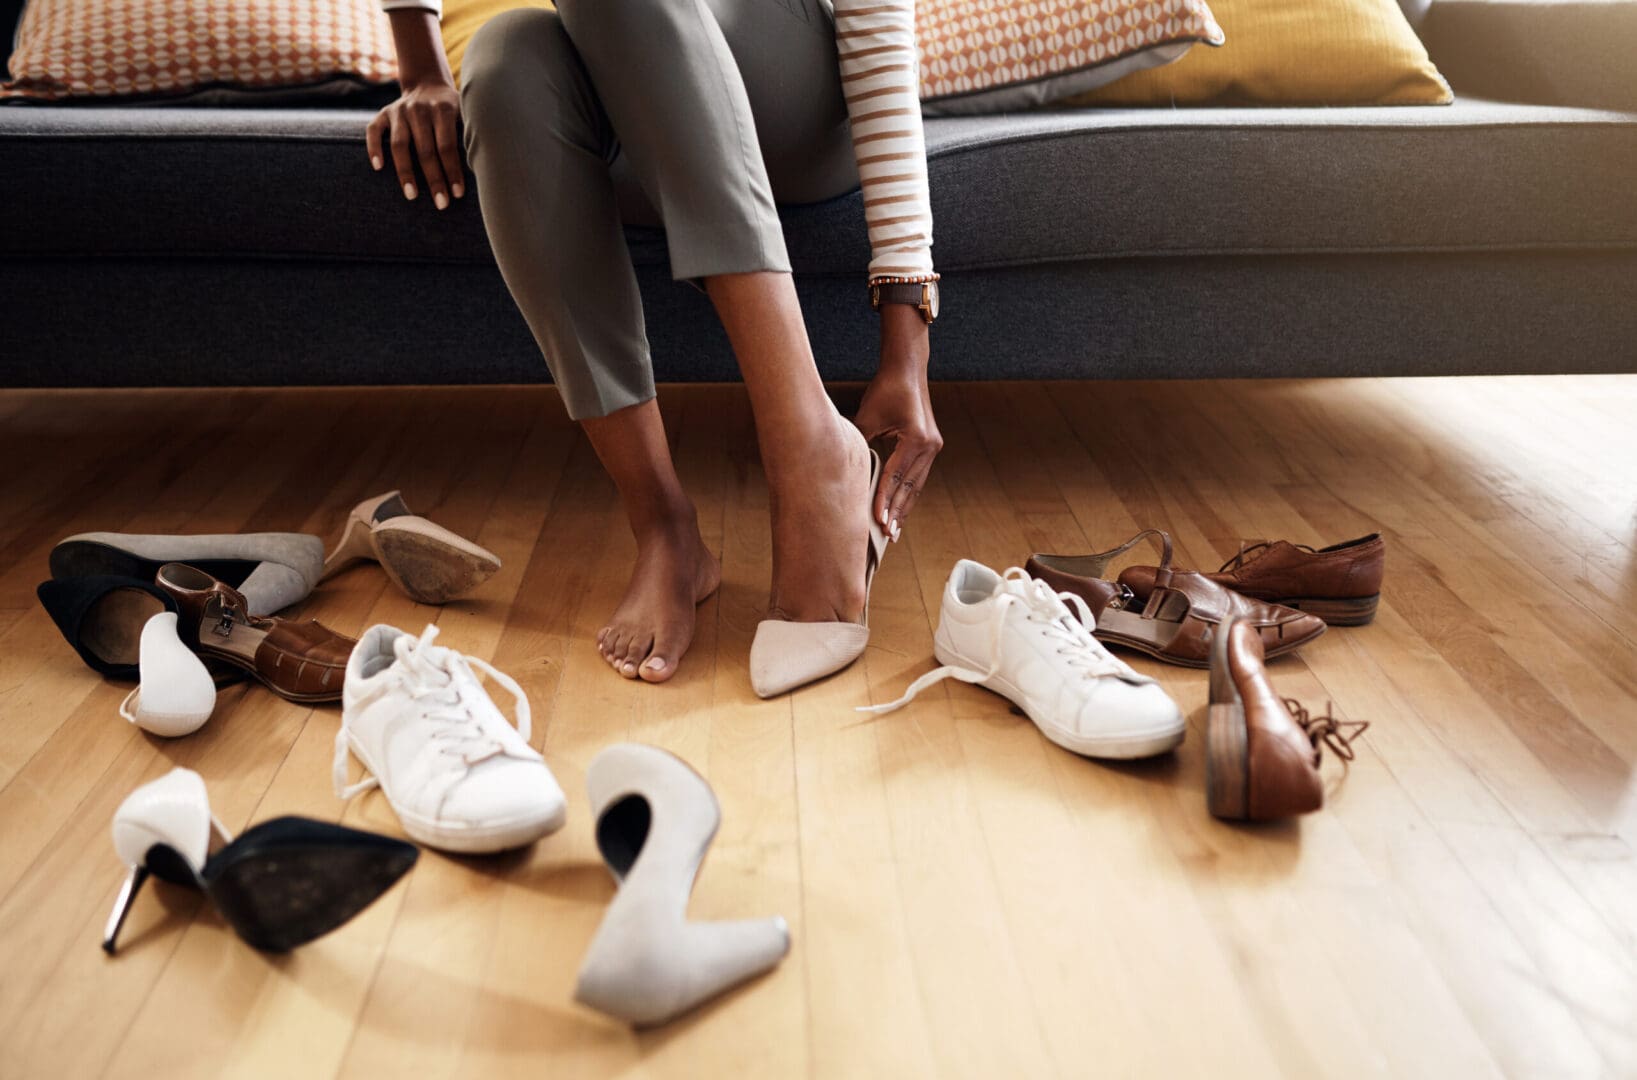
461, 18
1293, 52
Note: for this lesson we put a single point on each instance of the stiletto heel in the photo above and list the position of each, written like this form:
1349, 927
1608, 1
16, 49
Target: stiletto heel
785, 655
122, 907
647, 964
353, 547
428, 562
281, 884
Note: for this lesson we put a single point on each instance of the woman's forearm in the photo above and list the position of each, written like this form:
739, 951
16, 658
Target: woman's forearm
419, 45
905, 344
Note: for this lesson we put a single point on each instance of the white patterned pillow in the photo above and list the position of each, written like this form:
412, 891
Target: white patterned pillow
995, 55
115, 48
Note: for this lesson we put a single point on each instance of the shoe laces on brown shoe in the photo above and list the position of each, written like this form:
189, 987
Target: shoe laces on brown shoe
1251, 550
1326, 730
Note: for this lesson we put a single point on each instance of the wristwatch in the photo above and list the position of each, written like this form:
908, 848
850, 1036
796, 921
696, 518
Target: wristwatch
921, 295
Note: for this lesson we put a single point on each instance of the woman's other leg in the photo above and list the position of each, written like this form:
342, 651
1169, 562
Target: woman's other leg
694, 88
540, 146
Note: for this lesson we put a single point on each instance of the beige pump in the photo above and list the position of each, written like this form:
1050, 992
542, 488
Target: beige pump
428, 562
648, 963
785, 655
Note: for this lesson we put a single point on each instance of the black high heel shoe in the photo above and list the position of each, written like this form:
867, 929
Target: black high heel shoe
103, 616
282, 884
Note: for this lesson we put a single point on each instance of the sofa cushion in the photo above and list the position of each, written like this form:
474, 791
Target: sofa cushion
978, 56
1039, 187
1293, 52
120, 48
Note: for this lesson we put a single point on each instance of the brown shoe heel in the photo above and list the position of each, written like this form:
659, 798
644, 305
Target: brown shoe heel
1227, 752
1339, 612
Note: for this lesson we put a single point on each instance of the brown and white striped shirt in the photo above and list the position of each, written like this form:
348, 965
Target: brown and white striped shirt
876, 40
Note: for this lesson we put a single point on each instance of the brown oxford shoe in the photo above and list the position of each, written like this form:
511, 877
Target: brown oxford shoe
302, 661
1340, 584
1174, 620
1262, 751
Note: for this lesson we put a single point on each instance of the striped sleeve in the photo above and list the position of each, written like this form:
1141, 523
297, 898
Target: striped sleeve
876, 40
434, 6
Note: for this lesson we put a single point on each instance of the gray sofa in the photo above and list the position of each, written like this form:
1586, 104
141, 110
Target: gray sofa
185, 246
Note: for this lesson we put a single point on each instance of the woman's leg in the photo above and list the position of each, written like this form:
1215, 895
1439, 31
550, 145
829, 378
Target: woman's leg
540, 146
700, 92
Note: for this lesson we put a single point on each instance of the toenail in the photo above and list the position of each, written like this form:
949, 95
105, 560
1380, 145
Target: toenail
655, 664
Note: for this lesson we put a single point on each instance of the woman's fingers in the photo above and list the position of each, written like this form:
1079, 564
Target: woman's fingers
426, 152
908, 490
443, 125
401, 159
898, 466
372, 140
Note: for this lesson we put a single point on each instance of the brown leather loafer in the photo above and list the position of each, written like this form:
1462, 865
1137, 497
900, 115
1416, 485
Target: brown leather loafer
1173, 618
1341, 584
302, 661
1262, 751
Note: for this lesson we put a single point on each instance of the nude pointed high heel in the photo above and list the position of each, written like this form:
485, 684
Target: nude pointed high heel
281, 884
647, 964
785, 654
428, 562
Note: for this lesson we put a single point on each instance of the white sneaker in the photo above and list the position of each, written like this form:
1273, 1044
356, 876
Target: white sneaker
458, 775
1012, 634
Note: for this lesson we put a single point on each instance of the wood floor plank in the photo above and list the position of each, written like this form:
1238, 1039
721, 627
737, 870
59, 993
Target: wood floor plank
964, 897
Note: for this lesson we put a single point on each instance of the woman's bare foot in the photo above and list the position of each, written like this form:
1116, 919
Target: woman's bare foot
653, 625
820, 500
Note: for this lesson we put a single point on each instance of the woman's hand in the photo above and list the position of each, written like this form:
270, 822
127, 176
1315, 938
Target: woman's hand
422, 125
898, 405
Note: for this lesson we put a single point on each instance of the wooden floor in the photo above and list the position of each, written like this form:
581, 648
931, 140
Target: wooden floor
966, 899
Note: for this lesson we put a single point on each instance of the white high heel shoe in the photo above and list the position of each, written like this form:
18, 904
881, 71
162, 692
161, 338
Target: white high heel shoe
655, 820
283, 883
177, 695
785, 654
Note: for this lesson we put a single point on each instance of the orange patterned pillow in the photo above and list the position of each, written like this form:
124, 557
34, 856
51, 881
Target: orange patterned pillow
107, 48
993, 55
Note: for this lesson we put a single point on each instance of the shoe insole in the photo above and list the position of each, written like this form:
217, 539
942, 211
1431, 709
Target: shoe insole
1131, 626
241, 643
112, 628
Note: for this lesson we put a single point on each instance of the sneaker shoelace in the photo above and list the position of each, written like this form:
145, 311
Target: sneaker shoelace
427, 672
1051, 612
1326, 730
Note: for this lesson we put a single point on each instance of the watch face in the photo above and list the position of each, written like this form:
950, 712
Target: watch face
932, 299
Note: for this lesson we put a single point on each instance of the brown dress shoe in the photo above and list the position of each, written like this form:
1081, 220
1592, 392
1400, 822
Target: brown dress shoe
302, 661
1173, 619
1341, 584
1261, 750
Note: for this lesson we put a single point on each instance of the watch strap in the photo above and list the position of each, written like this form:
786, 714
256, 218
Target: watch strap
910, 293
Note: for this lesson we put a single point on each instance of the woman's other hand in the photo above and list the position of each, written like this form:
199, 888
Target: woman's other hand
422, 126
897, 405
424, 123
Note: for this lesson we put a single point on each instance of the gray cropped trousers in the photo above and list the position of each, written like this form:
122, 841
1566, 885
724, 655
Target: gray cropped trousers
692, 114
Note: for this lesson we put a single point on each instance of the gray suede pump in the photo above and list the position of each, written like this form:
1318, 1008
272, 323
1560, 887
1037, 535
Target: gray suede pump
271, 570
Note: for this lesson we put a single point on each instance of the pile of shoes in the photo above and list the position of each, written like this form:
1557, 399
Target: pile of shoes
1038, 636
185, 613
